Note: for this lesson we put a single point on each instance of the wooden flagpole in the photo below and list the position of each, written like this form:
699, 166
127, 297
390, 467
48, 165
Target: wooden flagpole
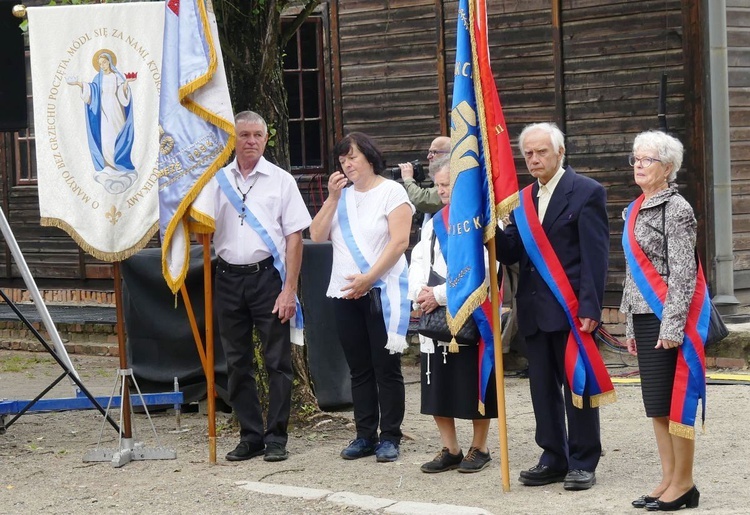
499, 377
210, 380
207, 356
194, 328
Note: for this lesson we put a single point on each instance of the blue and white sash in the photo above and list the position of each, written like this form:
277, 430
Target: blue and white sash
393, 285
257, 221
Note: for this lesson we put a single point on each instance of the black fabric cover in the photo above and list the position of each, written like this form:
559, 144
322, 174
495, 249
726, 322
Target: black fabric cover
160, 343
325, 357
13, 115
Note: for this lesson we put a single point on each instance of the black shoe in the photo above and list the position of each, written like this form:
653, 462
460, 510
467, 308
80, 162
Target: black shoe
245, 451
579, 480
540, 475
275, 452
475, 461
643, 500
689, 499
443, 462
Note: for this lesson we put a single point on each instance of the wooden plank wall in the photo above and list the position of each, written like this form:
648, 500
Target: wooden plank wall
388, 62
522, 62
49, 252
614, 54
738, 43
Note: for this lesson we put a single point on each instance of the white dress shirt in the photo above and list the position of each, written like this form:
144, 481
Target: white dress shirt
545, 193
271, 189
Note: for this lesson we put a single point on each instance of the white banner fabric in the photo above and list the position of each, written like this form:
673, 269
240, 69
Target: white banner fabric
96, 76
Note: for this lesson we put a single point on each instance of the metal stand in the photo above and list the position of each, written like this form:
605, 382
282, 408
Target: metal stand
68, 372
128, 449
59, 352
41, 307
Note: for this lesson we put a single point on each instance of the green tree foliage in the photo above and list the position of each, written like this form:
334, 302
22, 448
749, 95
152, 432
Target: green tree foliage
252, 41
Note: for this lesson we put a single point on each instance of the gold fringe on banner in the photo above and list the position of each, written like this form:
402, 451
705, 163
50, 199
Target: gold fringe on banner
110, 257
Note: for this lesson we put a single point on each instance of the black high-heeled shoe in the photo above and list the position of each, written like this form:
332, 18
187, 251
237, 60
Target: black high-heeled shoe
689, 499
643, 500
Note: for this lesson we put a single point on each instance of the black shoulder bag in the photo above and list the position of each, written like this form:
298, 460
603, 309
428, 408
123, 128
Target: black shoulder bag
435, 323
717, 329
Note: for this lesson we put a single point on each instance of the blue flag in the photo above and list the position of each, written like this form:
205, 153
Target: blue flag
471, 221
196, 127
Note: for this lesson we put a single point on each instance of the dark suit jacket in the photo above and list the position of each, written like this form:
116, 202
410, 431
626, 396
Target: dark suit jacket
578, 229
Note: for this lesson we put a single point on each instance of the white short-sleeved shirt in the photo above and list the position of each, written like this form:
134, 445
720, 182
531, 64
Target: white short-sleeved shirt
373, 208
273, 190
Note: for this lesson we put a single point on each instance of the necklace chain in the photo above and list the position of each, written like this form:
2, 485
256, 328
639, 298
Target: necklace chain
361, 197
244, 195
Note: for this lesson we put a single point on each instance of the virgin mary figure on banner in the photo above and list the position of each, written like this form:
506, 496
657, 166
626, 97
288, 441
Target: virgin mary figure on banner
109, 122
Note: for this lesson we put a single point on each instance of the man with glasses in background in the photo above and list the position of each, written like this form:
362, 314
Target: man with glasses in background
427, 200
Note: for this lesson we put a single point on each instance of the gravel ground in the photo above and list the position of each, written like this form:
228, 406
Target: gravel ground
41, 467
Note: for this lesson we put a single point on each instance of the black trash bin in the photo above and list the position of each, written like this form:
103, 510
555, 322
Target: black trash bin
328, 368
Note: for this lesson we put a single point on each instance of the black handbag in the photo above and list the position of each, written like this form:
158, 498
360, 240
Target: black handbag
434, 324
717, 329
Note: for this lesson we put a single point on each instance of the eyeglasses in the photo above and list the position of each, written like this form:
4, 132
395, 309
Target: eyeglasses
435, 152
645, 162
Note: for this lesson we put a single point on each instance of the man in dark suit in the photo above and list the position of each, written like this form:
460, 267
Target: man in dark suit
572, 211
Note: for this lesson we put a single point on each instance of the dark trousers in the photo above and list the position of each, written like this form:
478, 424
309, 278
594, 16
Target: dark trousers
580, 447
377, 384
244, 301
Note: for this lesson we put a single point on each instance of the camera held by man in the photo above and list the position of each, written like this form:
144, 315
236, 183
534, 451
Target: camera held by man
419, 171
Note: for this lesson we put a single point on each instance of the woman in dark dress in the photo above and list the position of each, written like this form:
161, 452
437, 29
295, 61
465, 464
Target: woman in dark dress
449, 380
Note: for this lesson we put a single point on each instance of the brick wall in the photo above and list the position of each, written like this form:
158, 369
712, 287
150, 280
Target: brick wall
614, 321
69, 297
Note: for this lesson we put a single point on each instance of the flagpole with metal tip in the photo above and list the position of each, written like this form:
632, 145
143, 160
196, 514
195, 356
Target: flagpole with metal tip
19, 11
499, 377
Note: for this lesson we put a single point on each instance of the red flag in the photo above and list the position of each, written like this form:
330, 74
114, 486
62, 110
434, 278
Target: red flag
499, 164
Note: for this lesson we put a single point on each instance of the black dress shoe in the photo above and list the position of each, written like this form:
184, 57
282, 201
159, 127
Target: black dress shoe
245, 451
643, 500
275, 452
689, 499
540, 475
579, 480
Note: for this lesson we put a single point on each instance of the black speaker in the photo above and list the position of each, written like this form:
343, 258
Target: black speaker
13, 114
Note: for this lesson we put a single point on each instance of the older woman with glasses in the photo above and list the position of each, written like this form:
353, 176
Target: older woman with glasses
449, 380
659, 243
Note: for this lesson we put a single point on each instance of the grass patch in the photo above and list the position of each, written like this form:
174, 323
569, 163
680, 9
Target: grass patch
22, 363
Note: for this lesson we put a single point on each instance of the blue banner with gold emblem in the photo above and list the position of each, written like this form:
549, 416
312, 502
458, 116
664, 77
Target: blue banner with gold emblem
471, 221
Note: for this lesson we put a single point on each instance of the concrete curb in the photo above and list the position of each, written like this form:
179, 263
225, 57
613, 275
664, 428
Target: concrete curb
364, 502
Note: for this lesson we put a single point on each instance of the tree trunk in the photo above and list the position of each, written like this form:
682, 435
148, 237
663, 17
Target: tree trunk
250, 36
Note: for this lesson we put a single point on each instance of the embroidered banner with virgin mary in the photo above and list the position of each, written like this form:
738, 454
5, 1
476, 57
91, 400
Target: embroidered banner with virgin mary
96, 77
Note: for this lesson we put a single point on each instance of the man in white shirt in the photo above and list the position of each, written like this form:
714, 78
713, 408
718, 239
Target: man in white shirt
260, 216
